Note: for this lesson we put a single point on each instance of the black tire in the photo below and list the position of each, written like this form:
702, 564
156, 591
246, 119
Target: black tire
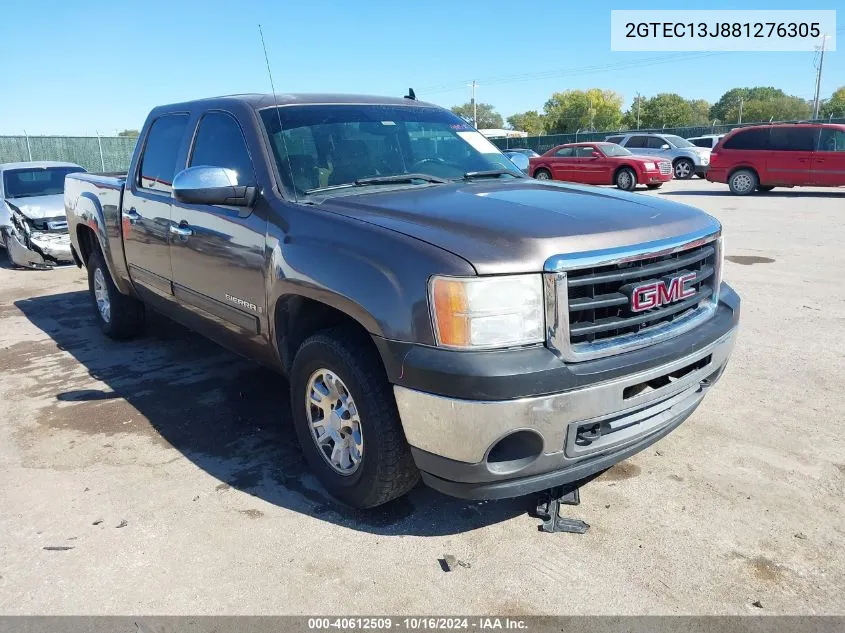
765, 188
543, 174
683, 169
626, 179
655, 185
386, 470
126, 314
743, 182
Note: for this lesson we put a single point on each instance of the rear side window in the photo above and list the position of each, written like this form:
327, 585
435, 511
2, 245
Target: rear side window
637, 141
158, 162
701, 142
565, 152
756, 139
220, 143
613, 139
793, 139
832, 140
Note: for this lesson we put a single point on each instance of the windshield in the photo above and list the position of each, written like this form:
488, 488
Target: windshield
36, 181
612, 149
322, 147
677, 141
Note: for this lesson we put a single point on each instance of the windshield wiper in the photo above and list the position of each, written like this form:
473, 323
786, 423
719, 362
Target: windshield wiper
378, 180
489, 173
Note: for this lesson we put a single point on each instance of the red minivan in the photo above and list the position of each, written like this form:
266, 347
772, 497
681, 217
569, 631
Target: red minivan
763, 157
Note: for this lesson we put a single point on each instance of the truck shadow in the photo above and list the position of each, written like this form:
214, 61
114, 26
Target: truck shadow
227, 415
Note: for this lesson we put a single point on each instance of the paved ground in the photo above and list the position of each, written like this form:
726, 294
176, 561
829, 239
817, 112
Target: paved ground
168, 467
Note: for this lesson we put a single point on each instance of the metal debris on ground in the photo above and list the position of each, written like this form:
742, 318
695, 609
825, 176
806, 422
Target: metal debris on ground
122, 524
449, 562
57, 548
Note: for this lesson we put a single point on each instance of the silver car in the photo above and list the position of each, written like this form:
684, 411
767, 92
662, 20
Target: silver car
687, 159
33, 225
708, 140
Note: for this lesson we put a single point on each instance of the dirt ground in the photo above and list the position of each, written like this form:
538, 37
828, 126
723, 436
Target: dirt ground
161, 476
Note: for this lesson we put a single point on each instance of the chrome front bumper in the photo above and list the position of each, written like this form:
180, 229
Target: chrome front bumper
626, 410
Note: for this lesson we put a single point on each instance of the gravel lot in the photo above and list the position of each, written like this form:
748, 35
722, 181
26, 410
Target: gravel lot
161, 476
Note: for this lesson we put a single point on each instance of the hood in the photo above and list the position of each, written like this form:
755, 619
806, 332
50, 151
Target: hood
515, 226
40, 207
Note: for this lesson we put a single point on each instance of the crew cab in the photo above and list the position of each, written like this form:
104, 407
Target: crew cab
33, 228
437, 313
600, 164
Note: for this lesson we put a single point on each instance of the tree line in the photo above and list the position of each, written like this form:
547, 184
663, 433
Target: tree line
596, 109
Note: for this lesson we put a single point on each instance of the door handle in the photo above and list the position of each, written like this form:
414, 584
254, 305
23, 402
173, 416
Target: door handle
183, 231
133, 216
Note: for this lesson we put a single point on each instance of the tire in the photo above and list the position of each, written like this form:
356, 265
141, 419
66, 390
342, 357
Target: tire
626, 179
765, 188
656, 185
120, 316
743, 182
543, 174
386, 469
684, 169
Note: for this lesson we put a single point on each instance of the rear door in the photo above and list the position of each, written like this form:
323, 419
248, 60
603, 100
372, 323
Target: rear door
828, 168
790, 156
146, 204
218, 257
561, 164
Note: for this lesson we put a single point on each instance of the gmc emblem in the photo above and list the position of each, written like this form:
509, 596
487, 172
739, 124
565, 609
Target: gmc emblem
657, 293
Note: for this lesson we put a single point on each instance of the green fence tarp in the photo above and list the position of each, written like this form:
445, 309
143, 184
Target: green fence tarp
82, 150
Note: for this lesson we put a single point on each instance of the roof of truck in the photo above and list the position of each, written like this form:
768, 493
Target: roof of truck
258, 101
36, 164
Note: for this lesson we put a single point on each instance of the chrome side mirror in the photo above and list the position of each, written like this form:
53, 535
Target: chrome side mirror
213, 185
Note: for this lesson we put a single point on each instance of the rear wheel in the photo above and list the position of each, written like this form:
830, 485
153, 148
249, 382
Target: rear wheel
765, 187
656, 185
684, 168
542, 174
626, 179
743, 182
347, 422
120, 316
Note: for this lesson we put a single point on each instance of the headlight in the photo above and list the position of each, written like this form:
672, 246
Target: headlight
650, 166
487, 312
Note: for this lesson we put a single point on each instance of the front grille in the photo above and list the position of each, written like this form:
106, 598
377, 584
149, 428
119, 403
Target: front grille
665, 167
57, 224
600, 308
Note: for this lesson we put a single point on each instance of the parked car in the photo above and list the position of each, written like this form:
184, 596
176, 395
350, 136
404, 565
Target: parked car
763, 157
437, 313
708, 140
687, 159
33, 226
530, 153
519, 157
600, 164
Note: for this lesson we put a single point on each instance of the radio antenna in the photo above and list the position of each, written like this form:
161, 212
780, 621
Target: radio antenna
278, 113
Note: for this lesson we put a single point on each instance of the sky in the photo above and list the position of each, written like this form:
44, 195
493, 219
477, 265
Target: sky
82, 67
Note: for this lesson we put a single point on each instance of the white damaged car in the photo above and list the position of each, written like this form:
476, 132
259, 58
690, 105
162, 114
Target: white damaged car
33, 225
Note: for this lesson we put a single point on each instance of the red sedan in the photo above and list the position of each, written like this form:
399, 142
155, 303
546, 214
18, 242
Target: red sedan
600, 164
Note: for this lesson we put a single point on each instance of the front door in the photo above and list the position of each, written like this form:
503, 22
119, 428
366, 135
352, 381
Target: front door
640, 144
828, 168
592, 169
146, 205
791, 155
217, 252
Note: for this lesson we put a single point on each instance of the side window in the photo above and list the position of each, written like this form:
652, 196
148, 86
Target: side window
564, 152
637, 141
220, 143
793, 139
655, 142
832, 140
585, 152
158, 162
755, 139
614, 139
701, 142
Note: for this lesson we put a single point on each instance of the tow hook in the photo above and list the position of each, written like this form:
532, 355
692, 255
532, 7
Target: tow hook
588, 434
548, 509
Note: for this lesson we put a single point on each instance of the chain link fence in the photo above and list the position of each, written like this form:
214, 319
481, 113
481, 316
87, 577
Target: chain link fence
541, 144
94, 153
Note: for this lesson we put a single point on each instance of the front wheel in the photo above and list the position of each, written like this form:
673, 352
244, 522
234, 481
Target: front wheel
542, 174
119, 316
743, 182
626, 179
347, 422
684, 169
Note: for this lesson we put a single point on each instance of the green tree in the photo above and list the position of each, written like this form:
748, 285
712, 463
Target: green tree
532, 122
487, 115
760, 103
835, 106
700, 112
665, 110
572, 110
129, 133
632, 119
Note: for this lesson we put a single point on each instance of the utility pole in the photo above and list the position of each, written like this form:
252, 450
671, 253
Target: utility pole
638, 110
474, 106
817, 100
740, 110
